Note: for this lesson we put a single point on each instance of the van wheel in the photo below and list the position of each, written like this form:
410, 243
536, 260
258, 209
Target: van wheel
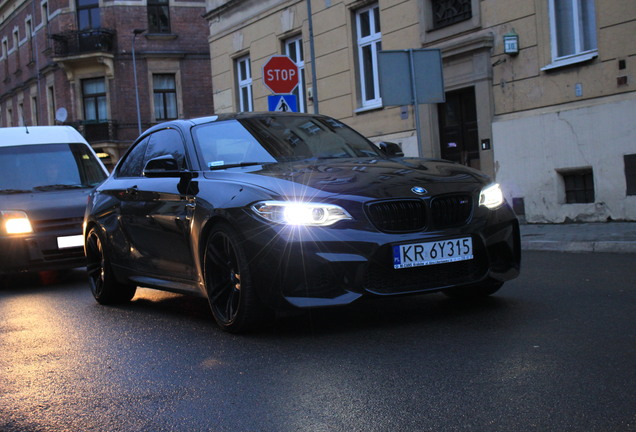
105, 288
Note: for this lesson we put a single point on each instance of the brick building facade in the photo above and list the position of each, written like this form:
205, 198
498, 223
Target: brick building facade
71, 62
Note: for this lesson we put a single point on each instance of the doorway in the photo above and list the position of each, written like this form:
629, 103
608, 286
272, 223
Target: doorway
459, 137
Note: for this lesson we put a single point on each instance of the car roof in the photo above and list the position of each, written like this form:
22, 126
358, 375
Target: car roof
227, 116
27, 135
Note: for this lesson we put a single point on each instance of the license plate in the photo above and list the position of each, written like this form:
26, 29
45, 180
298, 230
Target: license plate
70, 241
429, 253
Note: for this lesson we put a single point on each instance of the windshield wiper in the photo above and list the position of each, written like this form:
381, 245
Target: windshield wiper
45, 188
235, 165
15, 191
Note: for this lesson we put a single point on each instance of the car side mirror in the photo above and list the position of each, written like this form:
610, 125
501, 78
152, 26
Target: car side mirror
391, 149
162, 166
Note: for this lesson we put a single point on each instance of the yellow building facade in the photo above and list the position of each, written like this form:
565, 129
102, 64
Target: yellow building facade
539, 93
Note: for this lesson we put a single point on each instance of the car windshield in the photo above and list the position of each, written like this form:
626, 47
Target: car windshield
270, 139
46, 167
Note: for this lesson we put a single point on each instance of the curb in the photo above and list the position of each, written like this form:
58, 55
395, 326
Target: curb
579, 246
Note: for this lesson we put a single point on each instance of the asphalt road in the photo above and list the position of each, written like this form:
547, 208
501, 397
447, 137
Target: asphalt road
555, 350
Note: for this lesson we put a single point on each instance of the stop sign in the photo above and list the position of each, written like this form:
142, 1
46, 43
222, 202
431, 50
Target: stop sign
280, 74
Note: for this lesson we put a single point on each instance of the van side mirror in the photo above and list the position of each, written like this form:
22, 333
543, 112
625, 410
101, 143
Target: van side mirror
162, 166
391, 149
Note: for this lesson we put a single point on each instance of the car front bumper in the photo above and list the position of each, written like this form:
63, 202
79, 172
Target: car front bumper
310, 267
39, 251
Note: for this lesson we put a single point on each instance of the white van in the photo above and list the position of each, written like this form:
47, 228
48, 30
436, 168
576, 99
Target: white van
46, 175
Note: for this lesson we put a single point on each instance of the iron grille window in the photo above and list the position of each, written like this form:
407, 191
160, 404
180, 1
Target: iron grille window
158, 16
447, 12
579, 186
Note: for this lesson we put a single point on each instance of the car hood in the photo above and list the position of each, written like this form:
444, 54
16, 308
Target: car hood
373, 178
62, 204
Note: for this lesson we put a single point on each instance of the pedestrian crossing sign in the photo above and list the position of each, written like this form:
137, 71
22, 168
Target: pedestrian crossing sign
282, 103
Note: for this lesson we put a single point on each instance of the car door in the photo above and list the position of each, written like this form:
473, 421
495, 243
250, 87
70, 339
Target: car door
157, 213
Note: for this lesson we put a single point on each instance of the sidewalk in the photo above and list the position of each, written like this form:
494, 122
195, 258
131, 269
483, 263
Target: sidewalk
617, 237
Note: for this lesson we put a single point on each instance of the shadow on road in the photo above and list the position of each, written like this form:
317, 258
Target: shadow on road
38, 281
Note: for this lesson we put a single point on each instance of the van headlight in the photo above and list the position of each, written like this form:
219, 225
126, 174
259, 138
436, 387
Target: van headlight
300, 213
15, 222
491, 196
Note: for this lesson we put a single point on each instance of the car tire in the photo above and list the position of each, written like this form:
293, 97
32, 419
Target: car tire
105, 288
230, 289
476, 291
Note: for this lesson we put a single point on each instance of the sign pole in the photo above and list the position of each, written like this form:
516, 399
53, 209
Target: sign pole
416, 105
312, 54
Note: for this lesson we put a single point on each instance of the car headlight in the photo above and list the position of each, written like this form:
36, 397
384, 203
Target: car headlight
300, 213
491, 196
15, 222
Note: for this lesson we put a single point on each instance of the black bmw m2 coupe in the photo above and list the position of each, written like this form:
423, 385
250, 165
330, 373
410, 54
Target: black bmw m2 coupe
265, 211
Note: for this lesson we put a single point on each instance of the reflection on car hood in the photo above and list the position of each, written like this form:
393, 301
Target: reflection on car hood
377, 178
70, 203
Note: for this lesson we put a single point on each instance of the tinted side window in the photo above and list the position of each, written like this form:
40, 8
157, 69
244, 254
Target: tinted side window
166, 142
133, 164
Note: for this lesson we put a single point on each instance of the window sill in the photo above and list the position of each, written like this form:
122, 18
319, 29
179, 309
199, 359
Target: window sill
369, 108
571, 60
160, 36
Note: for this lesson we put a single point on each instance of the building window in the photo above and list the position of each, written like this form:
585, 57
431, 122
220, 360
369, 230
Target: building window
45, 13
5, 57
50, 101
94, 98
573, 27
369, 40
16, 48
29, 36
294, 50
165, 96
447, 12
579, 186
158, 16
244, 78
88, 14
630, 173
21, 120
35, 116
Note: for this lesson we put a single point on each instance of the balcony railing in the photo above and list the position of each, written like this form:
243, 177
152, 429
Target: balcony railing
83, 42
97, 132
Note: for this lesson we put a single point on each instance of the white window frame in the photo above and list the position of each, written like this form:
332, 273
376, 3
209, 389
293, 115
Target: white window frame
374, 39
293, 49
579, 28
244, 82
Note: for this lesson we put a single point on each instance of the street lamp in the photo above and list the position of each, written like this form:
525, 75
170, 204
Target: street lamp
135, 33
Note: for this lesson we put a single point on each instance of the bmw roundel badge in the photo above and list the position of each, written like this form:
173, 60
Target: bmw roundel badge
419, 190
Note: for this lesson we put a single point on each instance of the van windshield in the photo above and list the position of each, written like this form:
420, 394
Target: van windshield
45, 167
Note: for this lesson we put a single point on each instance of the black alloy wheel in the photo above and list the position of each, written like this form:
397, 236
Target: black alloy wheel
234, 304
104, 286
